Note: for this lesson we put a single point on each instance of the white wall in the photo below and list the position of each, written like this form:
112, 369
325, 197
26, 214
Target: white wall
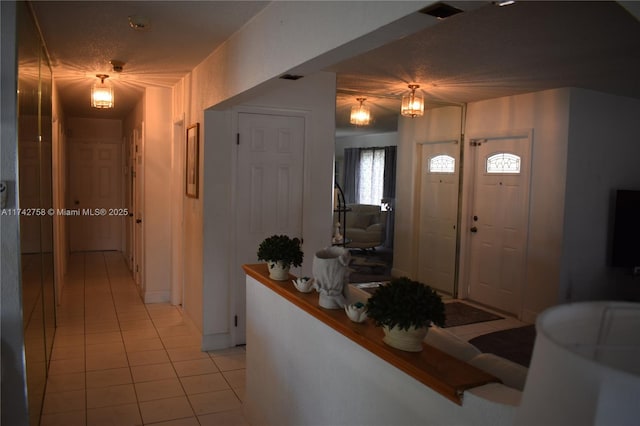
300, 37
302, 372
14, 399
314, 97
157, 194
547, 114
603, 156
365, 141
94, 128
583, 149
287, 34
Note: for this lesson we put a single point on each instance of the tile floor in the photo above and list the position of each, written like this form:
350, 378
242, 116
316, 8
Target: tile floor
117, 361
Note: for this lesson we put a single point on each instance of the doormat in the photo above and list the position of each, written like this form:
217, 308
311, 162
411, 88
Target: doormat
515, 344
458, 313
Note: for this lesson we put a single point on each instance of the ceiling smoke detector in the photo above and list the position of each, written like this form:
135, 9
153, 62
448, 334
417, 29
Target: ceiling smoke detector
118, 66
138, 23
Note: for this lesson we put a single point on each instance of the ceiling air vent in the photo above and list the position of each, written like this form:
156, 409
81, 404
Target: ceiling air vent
440, 10
291, 77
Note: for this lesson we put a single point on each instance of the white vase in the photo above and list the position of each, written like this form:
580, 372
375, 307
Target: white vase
407, 340
331, 274
277, 270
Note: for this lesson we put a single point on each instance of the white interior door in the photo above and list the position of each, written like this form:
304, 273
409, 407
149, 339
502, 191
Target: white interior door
499, 222
269, 190
439, 177
95, 175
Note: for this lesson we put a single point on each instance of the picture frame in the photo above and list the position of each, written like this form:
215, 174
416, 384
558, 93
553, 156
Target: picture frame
192, 161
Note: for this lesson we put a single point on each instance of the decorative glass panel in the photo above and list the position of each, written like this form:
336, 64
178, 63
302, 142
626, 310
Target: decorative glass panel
442, 164
503, 162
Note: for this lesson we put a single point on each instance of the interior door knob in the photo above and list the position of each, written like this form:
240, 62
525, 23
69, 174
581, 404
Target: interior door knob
474, 229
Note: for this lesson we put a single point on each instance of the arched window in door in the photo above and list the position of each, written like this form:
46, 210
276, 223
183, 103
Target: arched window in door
442, 164
503, 163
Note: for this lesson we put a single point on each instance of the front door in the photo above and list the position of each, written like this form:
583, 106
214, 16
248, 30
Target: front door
499, 222
269, 190
438, 217
95, 175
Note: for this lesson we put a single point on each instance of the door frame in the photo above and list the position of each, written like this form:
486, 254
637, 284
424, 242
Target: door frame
468, 203
138, 209
236, 273
177, 211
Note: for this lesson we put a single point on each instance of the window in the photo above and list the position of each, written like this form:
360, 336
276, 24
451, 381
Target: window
371, 182
503, 163
442, 164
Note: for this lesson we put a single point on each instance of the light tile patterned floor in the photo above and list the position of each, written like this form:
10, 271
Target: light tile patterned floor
117, 361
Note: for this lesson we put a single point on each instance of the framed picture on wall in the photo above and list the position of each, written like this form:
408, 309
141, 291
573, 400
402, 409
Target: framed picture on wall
191, 161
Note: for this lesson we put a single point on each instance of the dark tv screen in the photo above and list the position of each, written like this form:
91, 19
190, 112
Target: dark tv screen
626, 234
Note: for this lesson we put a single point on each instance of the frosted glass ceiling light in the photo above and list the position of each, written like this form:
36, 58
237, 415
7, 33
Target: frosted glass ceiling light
412, 103
102, 93
360, 114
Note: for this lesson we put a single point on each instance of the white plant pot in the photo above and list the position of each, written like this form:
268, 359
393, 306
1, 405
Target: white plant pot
407, 340
277, 271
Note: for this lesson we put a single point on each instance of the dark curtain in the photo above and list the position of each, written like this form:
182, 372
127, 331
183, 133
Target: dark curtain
351, 174
389, 191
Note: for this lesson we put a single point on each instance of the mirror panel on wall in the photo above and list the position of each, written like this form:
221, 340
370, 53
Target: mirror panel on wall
435, 144
35, 189
46, 200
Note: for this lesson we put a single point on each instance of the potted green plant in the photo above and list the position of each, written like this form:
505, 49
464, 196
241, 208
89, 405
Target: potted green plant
405, 309
280, 252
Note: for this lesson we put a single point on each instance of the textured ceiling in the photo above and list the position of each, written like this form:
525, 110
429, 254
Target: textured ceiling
84, 36
483, 53
499, 51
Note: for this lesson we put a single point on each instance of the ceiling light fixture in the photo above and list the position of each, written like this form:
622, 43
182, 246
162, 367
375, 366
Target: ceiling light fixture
360, 114
102, 93
412, 103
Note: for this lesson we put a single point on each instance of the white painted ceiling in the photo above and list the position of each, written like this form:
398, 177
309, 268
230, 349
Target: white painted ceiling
495, 51
82, 37
483, 53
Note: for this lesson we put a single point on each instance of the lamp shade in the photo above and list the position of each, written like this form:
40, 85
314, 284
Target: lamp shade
584, 369
412, 103
102, 93
360, 114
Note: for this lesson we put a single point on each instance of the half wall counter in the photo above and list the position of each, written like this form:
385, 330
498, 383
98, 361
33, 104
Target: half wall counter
307, 365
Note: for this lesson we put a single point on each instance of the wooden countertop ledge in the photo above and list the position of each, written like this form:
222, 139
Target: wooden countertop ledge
432, 367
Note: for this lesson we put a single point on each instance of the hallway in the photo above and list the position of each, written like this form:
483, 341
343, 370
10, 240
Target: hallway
117, 361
